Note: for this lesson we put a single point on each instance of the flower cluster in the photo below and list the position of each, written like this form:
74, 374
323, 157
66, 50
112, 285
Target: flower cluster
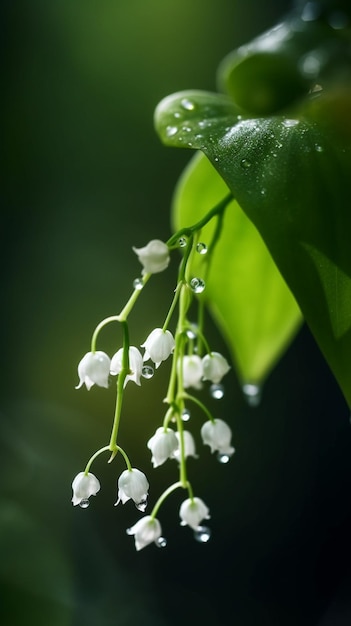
193, 364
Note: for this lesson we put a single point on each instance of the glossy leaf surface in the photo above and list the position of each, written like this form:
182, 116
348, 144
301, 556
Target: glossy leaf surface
244, 290
290, 172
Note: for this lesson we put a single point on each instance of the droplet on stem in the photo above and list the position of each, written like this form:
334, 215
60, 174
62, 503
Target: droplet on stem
182, 242
186, 415
138, 283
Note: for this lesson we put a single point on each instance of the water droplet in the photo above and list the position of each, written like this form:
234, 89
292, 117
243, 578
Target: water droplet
202, 534
217, 391
147, 371
216, 159
290, 123
187, 104
138, 283
84, 504
223, 458
318, 148
186, 415
186, 129
177, 115
245, 163
252, 393
141, 506
191, 334
197, 285
161, 542
182, 242
171, 131
201, 248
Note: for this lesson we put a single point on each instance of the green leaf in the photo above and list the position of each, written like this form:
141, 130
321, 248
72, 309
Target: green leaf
291, 175
244, 290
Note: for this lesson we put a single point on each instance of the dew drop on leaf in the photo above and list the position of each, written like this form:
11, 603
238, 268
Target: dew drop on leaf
201, 248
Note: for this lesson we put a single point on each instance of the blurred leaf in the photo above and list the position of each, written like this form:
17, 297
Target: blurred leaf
290, 173
244, 290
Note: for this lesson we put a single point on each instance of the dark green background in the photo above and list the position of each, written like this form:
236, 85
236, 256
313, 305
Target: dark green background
84, 179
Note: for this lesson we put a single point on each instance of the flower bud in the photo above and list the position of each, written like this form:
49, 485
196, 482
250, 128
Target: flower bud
158, 346
145, 531
94, 369
217, 435
215, 366
84, 486
154, 257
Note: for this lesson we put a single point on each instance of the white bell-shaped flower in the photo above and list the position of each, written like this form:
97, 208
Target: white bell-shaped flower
162, 445
154, 257
94, 369
192, 371
84, 486
189, 446
218, 435
133, 484
215, 366
158, 346
135, 364
192, 511
145, 531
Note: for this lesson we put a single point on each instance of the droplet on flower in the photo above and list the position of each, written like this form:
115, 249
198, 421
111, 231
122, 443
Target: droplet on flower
217, 391
201, 248
252, 394
202, 534
147, 371
186, 415
245, 163
197, 285
223, 458
182, 241
138, 283
84, 504
161, 542
187, 104
141, 506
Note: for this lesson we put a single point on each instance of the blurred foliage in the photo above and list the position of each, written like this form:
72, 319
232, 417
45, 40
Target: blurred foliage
84, 179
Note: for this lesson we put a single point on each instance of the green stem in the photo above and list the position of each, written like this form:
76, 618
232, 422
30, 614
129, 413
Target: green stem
165, 495
122, 317
187, 396
172, 307
192, 229
107, 320
97, 453
120, 390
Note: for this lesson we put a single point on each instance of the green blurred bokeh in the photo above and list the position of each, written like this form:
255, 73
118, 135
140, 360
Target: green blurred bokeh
84, 179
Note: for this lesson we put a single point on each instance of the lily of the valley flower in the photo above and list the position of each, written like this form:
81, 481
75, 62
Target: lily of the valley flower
94, 369
218, 435
158, 346
135, 364
154, 257
133, 484
162, 445
189, 446
192, 511
145, 531
215, 366
84, 486
192, 371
